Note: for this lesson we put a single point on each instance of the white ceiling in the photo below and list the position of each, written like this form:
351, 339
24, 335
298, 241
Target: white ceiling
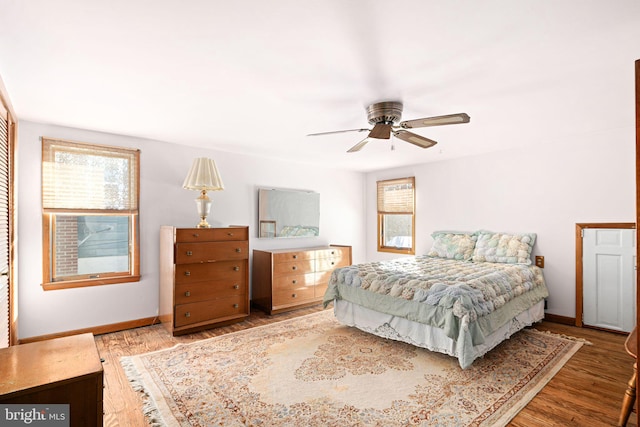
256, 76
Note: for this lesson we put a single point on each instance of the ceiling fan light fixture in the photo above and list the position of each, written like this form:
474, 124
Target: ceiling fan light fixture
384, 112
384, 116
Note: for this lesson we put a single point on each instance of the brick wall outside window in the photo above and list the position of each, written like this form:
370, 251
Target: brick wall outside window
66, 245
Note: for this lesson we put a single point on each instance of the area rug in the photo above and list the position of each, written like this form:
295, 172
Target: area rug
312, 371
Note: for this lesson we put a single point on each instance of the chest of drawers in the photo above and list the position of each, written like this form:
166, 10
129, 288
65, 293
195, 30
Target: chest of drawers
286, 279
63, 370
204, 277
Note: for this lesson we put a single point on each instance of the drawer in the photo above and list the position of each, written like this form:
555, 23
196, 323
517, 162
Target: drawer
333, 252
323, 264
322, 277
293, 281
294, 267
188, 235
293, 296
187, 314
320, 290
201, 291
222, 270
211, 251
293, 256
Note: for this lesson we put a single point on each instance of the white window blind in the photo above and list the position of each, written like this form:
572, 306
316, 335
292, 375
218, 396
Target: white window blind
395, 196
88, 178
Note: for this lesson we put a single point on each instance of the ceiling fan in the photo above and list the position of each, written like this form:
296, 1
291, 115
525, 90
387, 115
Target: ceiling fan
384, 116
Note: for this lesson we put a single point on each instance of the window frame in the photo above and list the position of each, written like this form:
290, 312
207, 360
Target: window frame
49, 215
381, 214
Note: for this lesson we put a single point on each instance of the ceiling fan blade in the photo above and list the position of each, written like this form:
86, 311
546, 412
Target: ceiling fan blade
414, 139
358, 146
338, 131
381, 131
450, 119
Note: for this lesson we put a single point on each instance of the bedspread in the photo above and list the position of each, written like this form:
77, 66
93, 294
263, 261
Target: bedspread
449, 294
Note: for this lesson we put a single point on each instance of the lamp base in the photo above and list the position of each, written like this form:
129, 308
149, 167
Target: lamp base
203, 224
204, 206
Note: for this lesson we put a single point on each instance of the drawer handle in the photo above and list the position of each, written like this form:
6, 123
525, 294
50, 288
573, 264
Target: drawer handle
229, 234
187, 273
189, 253
196, 235
236, 268
332, 263
294, 267
332, 252
187, 294
295, 257
187, 314
294, 281
294, 295
238, 250
235, 306
236, 286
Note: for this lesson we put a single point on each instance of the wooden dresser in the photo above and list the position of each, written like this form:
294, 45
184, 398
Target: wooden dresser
57, 371
204, 277
286, 279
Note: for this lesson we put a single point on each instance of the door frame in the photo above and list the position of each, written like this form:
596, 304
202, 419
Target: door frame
637, 96
579, 264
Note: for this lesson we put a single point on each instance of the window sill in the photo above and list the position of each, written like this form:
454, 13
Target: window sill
51, 286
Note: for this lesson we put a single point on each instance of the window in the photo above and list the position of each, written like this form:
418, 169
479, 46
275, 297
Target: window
396, 220
90, 214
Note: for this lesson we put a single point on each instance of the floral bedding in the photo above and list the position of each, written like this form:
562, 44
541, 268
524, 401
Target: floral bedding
446, 293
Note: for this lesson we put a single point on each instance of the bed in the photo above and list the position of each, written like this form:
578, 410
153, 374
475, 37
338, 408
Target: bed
470, 292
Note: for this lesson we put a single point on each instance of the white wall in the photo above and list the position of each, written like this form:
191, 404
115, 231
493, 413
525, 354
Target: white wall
164, 202
545, 189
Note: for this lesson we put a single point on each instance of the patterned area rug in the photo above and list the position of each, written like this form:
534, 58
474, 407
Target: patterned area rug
311, 371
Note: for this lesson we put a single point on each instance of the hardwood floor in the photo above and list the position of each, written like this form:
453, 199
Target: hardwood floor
586, 392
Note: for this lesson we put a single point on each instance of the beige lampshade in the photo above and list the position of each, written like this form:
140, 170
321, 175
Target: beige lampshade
203, 176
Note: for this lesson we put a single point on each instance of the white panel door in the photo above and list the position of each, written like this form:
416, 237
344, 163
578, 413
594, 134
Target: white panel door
609, 259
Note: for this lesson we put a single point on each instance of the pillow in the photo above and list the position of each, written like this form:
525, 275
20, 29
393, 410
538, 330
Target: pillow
504, 247
453, 245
